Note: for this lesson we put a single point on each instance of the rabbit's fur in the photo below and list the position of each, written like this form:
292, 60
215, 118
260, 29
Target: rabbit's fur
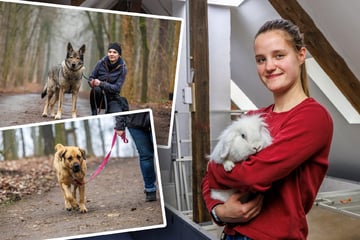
244, 137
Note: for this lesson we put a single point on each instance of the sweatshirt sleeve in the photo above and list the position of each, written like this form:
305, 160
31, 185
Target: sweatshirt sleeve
94, 73
120, 122
206, 191
298, 138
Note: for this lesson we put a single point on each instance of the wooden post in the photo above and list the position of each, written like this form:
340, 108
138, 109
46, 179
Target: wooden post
199, 53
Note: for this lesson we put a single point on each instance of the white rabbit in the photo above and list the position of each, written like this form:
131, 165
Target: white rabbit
244, 137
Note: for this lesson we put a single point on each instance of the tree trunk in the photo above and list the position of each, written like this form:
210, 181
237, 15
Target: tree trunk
48, 138
10, 145
101, 135
88, 137
145, 49
60, 134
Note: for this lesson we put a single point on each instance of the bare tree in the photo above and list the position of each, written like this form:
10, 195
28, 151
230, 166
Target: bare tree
48, 139
22, 140
88, 136
10, 151
145, 49
39, 145
60, 134
101, 135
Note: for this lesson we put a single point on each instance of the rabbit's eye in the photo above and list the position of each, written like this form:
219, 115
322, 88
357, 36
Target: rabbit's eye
243, 136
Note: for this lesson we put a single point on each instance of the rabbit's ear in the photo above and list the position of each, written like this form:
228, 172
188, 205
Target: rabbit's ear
225, 151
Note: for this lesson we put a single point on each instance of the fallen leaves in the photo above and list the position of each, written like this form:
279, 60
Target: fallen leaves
24, 177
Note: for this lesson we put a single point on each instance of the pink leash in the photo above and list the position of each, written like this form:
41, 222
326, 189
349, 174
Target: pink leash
106, 159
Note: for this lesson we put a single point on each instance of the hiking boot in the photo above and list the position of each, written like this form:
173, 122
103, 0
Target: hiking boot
150, 196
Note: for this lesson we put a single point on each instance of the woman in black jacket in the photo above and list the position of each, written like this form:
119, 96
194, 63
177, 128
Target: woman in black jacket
106, 81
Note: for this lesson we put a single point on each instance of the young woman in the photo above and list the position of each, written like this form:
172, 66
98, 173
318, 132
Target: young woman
107, 79
286, 175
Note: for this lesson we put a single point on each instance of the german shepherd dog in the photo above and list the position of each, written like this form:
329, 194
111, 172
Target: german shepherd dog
64, 78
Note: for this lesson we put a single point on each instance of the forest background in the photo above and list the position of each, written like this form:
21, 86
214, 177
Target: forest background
93, 134
33, 38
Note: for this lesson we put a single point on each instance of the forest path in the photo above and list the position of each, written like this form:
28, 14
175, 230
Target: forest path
19, 109
115, 201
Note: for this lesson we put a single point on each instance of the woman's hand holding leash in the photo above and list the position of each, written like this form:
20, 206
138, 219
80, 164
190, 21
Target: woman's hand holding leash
94, 82
122, 134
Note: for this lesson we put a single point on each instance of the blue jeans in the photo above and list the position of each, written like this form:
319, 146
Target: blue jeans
144, 144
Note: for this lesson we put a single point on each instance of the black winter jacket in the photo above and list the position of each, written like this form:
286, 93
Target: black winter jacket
136, 120
112, 76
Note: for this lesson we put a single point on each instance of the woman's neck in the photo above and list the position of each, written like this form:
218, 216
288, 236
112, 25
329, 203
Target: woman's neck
285, 102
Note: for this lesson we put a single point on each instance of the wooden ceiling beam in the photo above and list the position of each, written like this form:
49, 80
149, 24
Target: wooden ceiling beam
322, 51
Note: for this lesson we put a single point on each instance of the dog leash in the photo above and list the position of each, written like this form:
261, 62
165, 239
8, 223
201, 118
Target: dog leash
106, 159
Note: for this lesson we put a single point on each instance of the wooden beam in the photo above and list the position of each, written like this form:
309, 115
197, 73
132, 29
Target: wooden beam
322, 51
200, 125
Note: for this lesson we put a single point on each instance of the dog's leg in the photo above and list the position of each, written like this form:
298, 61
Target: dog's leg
82, 199
70, 202
74, 99
52, 103
61, 100
45, 112
74, 191
45, 93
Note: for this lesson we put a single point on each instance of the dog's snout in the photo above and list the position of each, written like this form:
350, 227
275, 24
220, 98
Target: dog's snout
76, 168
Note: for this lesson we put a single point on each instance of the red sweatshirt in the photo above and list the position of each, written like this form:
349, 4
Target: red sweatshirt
289, 172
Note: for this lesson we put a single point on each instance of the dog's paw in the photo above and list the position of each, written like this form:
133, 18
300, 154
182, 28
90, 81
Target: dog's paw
68, 206
228, 165
83, 209
44, 115
58, 117
74, 207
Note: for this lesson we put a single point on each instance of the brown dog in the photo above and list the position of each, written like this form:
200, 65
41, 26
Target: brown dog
70, 167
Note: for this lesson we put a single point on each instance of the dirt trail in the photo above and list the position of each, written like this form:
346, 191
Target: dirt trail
115, 201
19, 109
27, 108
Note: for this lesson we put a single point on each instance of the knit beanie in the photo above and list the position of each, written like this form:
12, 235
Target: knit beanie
116, 46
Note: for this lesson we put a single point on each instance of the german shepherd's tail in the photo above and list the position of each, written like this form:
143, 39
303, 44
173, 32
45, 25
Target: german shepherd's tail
44, 91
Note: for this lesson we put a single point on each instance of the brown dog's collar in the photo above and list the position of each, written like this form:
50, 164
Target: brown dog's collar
77, 181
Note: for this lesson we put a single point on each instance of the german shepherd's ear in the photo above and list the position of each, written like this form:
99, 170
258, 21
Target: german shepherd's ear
81, 52
82, 49
69, 50
69, 47
83, 153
